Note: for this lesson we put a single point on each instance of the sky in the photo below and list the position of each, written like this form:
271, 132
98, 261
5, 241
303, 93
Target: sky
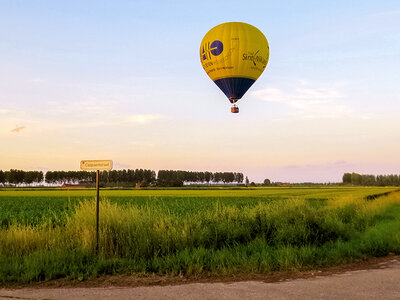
122, 80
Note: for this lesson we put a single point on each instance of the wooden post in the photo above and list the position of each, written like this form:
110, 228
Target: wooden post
97, 210
97, 165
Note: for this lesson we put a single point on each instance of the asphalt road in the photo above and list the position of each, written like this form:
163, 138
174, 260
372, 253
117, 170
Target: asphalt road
380, 283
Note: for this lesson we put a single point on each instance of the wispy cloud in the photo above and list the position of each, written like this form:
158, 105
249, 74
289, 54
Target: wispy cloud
308, 102
3, 111
98, 113
88, 107
113, 120
18, 129
143, 118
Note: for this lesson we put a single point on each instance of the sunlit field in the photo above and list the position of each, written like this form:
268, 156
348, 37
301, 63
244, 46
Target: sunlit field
34, 206
49, 234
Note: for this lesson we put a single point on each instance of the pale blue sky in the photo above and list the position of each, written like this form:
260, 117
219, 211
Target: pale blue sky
122, 80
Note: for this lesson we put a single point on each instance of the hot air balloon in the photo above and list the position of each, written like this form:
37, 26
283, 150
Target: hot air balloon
234, 55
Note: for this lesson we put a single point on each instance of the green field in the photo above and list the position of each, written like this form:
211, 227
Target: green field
34, 206
49, 234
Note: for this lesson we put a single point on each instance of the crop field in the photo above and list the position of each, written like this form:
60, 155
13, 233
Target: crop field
35, 206
50, 233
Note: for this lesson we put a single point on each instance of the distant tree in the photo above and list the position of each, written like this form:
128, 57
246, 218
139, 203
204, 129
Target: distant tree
113, 177
247, 181
267, 182
29, 177
104, 178
2, 178
380, 180
125, 176
347, 178
48, 177
355, 178
33, 177
217, 177
368, 180
144, 183
201, 177
228, 177
371, 180
149, 176
16, 176
39, 177
169, 178
7, 177
208, 177
239, 177
139, 174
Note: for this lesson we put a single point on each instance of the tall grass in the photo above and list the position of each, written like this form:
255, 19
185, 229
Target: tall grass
292, 233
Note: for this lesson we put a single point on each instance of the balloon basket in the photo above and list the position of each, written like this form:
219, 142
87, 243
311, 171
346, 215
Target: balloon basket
234, 109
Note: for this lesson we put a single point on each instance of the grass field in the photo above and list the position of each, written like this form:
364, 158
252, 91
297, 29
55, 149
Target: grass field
35, 206
48, 234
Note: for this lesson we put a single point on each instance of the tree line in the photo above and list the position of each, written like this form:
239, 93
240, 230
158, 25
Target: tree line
124, 177
371, 180
14, 177
178, 178
109, 178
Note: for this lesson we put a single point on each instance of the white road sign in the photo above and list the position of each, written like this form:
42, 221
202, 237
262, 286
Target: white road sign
93, 165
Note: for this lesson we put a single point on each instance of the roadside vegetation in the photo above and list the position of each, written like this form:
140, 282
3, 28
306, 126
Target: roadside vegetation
203, 235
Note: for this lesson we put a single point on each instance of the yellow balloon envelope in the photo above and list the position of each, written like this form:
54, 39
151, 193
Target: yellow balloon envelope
234, 55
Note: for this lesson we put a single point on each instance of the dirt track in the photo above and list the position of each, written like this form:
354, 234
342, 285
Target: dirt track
379, 280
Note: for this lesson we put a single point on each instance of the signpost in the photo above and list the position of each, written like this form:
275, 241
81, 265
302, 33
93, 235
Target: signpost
97, 165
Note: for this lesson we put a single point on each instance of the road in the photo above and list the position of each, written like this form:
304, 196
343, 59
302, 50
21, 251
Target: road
382, 282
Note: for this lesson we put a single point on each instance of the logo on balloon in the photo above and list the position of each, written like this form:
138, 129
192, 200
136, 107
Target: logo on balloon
215, 49
255, 58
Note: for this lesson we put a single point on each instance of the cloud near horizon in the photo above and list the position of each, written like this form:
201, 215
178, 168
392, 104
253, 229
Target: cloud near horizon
143, 118
18, 129
98, 113
308, 102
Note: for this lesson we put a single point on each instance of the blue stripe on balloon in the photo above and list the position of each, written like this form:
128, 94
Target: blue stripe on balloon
234, 87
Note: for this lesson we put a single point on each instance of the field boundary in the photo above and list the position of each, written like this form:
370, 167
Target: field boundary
376, 196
